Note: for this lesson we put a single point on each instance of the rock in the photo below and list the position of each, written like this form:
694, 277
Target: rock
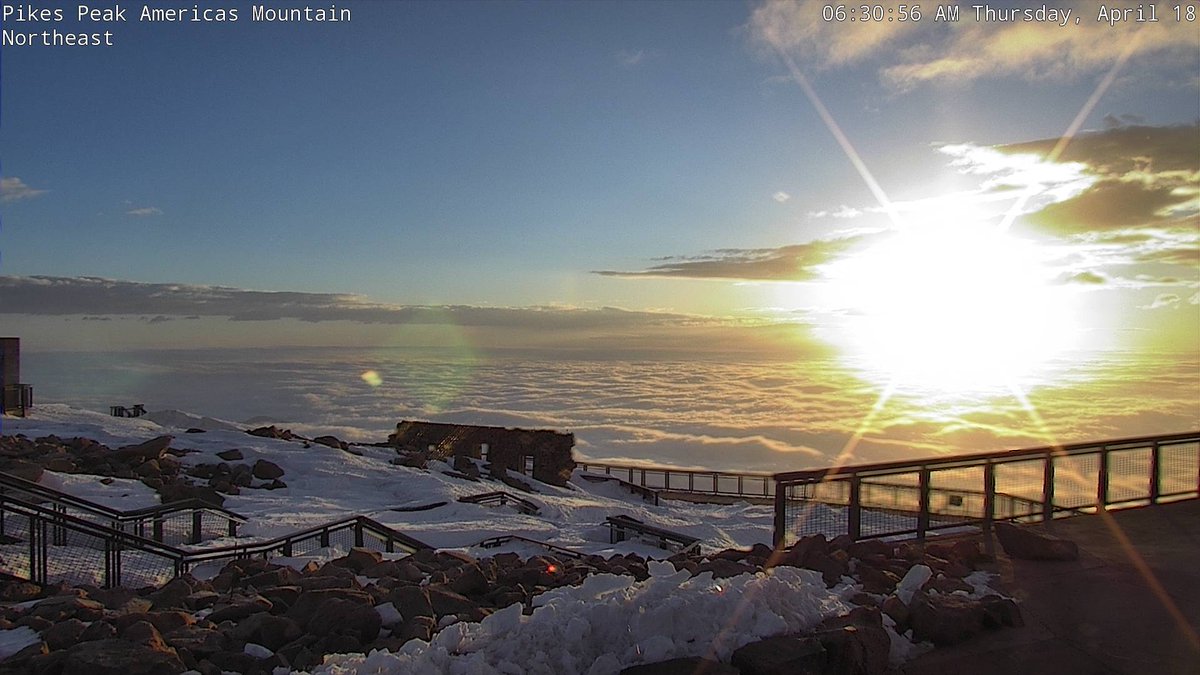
1000, 611
19, 591
63, 634
337, 616
472, 581
61, 465
722, 568
855, 644
30, 471
781, 656
688, 665
195, 430
200, 641
272, 432
419, 627
1022, 543
151, 449
65, 607
174, 492
331, 441
358, 559
267, 630
945, 619
240, 610
310, 602
265, 470
98, 630
231, 455
165, 621
895, 608
412, 601
445, 601
120, 657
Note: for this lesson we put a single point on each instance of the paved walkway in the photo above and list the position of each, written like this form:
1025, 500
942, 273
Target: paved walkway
1129, 605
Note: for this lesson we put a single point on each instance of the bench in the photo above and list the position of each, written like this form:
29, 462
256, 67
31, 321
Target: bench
647, 494
624, 527
132, 411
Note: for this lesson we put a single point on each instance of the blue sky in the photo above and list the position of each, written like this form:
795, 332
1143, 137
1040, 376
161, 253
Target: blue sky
499, 154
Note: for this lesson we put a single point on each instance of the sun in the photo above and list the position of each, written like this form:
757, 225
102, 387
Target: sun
951, 310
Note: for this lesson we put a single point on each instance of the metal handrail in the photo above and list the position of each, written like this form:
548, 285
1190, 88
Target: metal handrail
67, 499
852, 480
959, 461
717, 478
117, 540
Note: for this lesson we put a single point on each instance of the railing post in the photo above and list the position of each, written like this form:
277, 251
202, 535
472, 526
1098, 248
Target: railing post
780, 535
358, 534
923, 513
1155, 469
1048, 488
989, 503
854, 517
1102, 480
197, 526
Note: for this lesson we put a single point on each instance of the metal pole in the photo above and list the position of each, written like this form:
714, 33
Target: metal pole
1155, 469
855, 516
923, 512
1102, 480
989, 504
1048, 488
780, 538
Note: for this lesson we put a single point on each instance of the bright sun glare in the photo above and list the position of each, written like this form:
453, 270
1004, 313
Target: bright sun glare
951, 310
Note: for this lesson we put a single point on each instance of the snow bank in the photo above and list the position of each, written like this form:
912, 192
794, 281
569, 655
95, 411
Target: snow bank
612, 622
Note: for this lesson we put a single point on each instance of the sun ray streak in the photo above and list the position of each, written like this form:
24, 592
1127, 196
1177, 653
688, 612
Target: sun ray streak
1019, 204
843, 140
1130, 550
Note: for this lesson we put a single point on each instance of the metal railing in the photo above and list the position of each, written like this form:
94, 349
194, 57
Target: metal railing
44, 544
917, 497
665, 479
187, 521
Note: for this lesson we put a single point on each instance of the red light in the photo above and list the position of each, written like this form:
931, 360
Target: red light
551, 568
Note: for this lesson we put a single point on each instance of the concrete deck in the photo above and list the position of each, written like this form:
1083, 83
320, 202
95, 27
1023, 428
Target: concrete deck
1129, 605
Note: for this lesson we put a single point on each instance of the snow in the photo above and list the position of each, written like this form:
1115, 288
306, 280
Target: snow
610, 623
16, 639
606, 624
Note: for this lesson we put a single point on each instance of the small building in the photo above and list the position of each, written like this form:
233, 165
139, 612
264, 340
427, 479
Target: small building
17, 397
548, 453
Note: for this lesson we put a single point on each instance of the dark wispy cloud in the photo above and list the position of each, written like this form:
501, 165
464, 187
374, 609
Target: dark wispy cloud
796, 262
96, 297
14, 189
1143, 176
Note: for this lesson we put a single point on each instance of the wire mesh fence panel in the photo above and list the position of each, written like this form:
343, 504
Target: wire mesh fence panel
957, 493
1128, 475
1075, 480
877, 523
806, 517
897, 492
1021, 482
14, 544
1179, 469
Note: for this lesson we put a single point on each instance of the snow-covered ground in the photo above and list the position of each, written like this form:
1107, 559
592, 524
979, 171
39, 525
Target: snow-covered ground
602, 626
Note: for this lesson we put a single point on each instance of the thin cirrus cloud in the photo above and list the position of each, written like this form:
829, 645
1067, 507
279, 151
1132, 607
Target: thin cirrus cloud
921, 52
144, 212
796, 262
13, 189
